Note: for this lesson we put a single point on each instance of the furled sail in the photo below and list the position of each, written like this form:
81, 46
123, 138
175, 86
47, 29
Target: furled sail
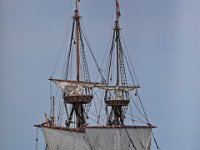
70, 86
121, 88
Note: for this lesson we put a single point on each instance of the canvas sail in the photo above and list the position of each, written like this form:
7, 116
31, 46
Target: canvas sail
136, 138
71, 86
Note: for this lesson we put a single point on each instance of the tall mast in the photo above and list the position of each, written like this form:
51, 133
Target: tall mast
117, 96
75, 94
117, 10
117, 41
77, 43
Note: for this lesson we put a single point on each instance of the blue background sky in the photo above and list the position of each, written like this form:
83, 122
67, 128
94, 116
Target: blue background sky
163, 37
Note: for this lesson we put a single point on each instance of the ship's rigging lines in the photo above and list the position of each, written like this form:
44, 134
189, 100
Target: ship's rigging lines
113, 88
123, 57
119, 99
78, 94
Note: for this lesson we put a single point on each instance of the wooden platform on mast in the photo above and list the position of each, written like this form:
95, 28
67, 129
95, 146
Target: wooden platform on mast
78, 98
115, 102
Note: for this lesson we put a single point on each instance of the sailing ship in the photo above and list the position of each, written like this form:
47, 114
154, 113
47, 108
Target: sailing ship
112, 130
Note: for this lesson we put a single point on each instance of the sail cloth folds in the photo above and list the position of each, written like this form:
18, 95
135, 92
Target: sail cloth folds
59, 140
99, 138
120, 88
69, 86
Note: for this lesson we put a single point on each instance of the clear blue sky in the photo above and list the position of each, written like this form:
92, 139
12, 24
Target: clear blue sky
163, 37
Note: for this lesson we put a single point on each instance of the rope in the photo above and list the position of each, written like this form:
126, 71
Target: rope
145, 115
101, 102
96, 111
132, 68
130, 138
70, 49
87, 42
36, 140
62, 48
129, 70
157, 146
106, 53
87, 140
131, 114
139, 109
142, 106
137, 119
110, 59
96, 117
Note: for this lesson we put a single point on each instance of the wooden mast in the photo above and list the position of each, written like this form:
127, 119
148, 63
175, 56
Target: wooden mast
77, 98
77, 43
116, 116
76, 106
117, 41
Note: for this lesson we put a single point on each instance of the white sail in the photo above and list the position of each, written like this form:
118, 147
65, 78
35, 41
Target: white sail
120, 88
64, 140
70, 86
98, 139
